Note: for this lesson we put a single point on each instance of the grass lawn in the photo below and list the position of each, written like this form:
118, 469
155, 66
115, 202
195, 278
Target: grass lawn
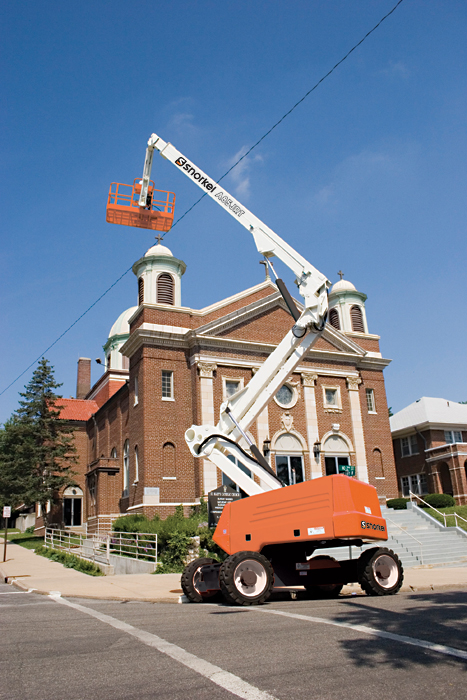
25, 539
460, 510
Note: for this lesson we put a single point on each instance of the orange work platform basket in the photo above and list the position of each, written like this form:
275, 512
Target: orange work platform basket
123, 207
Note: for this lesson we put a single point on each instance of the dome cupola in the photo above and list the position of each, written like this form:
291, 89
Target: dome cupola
119, 334
347, 307
159, 276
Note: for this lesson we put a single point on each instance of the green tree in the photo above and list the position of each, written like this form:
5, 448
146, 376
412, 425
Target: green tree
37, 450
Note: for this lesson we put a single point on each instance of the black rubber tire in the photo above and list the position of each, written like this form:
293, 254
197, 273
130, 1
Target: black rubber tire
381, 572
188, 582
325, 590
234, 590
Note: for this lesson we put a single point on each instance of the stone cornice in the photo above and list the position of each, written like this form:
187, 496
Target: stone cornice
190, 339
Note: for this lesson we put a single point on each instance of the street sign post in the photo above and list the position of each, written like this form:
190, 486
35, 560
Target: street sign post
217, 499
6, 515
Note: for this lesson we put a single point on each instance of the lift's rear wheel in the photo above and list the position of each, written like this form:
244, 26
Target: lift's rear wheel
192, 577
381, 572
323, 590
246, 578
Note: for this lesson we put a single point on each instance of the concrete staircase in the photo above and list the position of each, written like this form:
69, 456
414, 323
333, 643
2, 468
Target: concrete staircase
439, 546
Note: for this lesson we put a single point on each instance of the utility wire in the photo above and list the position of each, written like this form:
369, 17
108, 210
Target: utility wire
295, 106
204, 195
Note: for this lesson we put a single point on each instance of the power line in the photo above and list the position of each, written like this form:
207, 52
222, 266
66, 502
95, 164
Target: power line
221, 178
295, 105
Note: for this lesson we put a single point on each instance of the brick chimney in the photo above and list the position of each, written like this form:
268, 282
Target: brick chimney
83, 382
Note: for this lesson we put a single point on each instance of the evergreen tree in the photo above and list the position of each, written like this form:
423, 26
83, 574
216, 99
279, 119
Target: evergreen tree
37, 449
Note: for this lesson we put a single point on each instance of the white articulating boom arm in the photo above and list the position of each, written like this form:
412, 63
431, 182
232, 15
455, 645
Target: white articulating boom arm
238, 413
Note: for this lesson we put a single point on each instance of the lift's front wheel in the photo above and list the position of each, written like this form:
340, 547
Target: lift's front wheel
192, 581
246, 578
381, 572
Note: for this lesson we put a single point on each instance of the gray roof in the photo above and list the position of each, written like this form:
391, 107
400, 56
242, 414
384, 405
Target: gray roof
428, 410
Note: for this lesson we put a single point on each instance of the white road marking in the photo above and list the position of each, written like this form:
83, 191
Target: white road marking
217, 675
14, 593
412, 641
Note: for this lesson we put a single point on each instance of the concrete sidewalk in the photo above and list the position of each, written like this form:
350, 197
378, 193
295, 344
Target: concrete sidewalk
31, 572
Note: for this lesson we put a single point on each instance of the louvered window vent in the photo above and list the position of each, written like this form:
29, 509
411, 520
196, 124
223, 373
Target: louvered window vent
334, 319
357, 319
165, 289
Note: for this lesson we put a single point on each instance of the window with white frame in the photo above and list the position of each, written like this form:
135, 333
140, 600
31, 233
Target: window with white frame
136, 465
452, 436
136, 391
231, 386
416, 483
287, 396
332, 398
370, 400
126, 468
409, 446
167, 385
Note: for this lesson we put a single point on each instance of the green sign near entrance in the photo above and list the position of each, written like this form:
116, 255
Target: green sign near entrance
347, 469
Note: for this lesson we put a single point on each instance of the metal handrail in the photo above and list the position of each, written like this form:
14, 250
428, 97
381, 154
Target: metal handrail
408, 533
443, 515
137, 545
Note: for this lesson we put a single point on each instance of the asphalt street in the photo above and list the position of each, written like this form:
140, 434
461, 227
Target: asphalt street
411, 645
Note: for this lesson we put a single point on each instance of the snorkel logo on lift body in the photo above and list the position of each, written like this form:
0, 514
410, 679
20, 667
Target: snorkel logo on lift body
195, 174
202, 180
371, 526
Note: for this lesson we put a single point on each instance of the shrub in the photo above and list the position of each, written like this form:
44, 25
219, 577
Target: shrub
69, 561
29, 530
397, 503
438, 500
174, 535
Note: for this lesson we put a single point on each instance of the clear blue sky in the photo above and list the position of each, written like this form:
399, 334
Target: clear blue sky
368, 175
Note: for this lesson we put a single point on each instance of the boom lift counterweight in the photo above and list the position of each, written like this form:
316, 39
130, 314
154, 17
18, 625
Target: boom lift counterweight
271, 536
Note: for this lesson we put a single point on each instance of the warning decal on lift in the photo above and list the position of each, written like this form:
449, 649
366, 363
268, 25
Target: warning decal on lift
316, 530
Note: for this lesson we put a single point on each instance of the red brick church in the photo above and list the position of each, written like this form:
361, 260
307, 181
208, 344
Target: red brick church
168, 366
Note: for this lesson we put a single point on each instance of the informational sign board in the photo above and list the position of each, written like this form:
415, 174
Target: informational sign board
347, 469
7, 511
217, 499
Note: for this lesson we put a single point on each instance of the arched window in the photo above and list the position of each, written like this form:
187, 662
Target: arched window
334, 319
136, 465
378, 462
336, 454
126, 467
113, 453
288, 459
356, 317
165, 289
169, 462
140, 290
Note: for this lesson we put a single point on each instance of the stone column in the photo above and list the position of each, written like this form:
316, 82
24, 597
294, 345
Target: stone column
311, 416
357, 428
206, 370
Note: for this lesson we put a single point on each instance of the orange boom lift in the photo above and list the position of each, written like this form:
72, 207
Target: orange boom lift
271, 537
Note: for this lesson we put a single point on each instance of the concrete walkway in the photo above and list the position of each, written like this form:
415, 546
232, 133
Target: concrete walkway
31, 572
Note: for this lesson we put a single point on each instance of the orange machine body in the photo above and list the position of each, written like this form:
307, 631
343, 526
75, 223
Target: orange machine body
123, 207
332, 507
